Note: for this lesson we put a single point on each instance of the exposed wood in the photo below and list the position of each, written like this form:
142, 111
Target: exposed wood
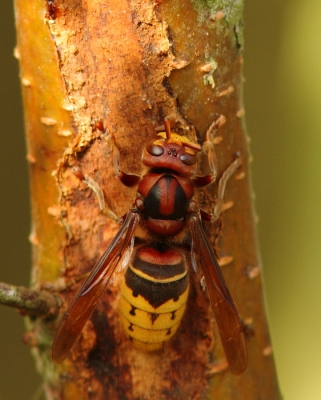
90, 69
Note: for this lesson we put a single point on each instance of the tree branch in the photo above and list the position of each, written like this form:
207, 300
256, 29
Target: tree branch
32, 303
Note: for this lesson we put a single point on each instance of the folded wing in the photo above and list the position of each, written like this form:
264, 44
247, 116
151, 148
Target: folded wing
227, 317
86, 300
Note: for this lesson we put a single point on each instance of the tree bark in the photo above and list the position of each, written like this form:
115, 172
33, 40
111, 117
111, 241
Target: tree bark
95, 68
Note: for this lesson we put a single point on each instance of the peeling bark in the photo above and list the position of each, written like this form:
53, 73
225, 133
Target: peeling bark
90, 69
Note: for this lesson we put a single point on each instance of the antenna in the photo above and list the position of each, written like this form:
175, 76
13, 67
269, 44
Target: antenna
194, 146
167, 128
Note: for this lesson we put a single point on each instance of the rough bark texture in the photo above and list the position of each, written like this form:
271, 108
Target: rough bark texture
93, 68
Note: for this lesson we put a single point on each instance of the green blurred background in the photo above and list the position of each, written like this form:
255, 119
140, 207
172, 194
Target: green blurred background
283, 114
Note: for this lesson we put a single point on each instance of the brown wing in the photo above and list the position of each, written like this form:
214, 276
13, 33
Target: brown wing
86, 300
227, 317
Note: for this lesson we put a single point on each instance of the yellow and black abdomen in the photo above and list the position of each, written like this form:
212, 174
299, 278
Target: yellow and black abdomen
154, 292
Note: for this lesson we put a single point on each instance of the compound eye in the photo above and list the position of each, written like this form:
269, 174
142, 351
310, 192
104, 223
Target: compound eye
189, 159
154, 149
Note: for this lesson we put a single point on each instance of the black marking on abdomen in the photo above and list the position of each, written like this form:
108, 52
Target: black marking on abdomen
155, 293
132, 311
159, 272
159, 261
153, 317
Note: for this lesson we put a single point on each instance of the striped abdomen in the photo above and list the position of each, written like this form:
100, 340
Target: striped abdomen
153, 295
